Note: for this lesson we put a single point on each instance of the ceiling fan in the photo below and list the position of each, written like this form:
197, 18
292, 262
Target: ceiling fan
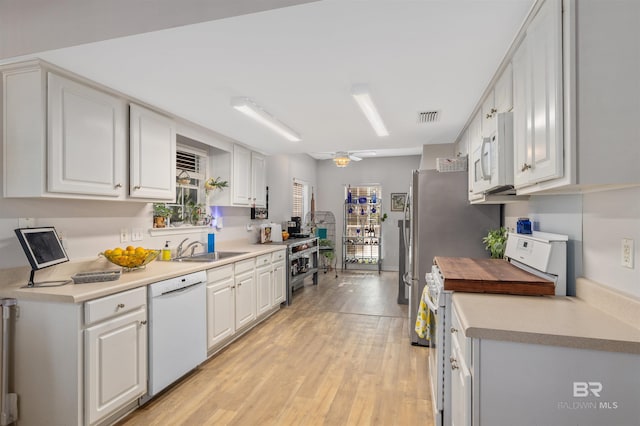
343, 158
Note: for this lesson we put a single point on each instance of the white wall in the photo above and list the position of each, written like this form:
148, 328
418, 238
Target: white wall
281, 170
393, 173
433, 151
608, 218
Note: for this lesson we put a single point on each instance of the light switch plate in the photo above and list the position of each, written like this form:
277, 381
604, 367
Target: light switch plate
137, 234
124, 235
627, 253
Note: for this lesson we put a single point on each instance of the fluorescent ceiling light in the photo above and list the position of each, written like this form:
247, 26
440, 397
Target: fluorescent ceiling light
360, 93
256, 112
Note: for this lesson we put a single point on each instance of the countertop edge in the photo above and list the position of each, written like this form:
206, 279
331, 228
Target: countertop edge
154, 272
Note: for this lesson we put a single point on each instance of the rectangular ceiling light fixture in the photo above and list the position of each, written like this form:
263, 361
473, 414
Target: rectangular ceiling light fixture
360, 93
259, 114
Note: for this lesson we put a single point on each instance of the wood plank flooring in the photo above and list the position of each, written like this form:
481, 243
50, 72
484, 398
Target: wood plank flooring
339, 355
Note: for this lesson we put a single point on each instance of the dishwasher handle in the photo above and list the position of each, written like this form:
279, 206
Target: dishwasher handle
179, 290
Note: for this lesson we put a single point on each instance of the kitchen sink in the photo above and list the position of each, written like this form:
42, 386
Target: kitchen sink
209, 257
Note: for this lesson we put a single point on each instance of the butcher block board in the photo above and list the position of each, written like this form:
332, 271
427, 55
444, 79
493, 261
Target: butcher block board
490, 276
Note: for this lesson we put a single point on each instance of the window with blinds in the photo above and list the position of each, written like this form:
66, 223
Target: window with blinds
298, 199
191, 172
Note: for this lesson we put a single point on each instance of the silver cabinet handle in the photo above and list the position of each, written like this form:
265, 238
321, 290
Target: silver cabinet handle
454, 330
525, 167
454, 363
120, 306
137, 187
143, 322
118, 185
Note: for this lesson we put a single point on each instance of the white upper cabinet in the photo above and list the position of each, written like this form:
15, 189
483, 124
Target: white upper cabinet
538, 114
66, 137
249, 178
152, 155
258, 180
241, 185
86, 140
499, 99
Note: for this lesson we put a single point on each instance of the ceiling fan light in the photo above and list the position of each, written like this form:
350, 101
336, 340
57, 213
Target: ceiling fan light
341, 160
259, 114
360, 93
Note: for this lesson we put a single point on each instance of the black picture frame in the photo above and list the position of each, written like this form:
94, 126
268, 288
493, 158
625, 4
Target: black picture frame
397, 201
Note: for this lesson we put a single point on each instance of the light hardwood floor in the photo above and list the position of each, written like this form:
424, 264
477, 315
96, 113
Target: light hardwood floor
339, 355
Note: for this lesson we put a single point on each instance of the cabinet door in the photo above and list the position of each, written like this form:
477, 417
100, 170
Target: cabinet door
537, 81
241, 185
152, 151
279, 283
220, 311
115, 364
263, 283
258, 180
488, 116
503, 91
86, 140
245, 299
460, 390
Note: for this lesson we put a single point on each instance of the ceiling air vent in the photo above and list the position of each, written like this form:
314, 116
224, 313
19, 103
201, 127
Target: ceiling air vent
427, 117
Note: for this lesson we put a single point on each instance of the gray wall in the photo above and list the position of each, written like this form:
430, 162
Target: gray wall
393, 173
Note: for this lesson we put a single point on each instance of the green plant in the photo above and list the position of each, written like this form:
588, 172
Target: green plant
161, 210
213, 184
495, 242
384, 217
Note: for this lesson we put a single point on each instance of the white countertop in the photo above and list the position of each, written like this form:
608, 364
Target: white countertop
546, 320
13, 280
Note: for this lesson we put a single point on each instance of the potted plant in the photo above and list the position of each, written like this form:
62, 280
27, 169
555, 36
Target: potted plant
212, 184
161, 214
495, 242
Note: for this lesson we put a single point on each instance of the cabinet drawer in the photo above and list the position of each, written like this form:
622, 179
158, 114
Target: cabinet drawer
278, 255
110, 306
244, 266
263, 260
219, 274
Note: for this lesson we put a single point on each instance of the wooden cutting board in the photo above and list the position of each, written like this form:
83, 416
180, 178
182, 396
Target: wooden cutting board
490, 276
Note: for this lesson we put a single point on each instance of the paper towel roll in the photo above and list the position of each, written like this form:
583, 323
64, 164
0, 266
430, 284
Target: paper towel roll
276, 232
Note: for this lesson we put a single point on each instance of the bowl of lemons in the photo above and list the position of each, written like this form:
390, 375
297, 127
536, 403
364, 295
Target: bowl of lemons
130, 258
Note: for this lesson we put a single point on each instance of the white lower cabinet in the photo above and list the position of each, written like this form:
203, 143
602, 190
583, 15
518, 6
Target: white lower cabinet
221, 312
496, 382
245, 292
115, 343
263, 284
279, 283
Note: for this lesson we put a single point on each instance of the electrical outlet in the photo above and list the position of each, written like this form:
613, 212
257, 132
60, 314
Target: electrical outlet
26, 222
124, 235
137, 234
627, 253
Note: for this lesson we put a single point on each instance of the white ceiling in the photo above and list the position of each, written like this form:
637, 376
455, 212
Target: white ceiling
299, 63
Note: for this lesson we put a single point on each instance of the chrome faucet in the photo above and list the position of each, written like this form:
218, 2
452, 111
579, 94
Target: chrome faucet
179, 249
193, 245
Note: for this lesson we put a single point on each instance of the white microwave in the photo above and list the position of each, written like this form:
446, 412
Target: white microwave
492, 163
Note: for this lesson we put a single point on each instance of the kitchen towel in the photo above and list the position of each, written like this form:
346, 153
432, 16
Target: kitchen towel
423, 322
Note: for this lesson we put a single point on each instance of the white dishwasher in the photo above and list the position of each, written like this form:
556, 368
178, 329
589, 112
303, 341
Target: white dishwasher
177, 329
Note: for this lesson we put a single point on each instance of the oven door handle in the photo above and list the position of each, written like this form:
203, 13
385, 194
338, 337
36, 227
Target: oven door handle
432, 306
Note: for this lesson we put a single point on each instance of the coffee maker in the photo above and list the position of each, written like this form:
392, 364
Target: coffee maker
294, 226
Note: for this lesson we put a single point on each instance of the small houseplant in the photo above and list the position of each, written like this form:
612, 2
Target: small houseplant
495, 242
212, 184
161, 214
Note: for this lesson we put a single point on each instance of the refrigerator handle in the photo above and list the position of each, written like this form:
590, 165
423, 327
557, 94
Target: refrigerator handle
408, 280
407, 211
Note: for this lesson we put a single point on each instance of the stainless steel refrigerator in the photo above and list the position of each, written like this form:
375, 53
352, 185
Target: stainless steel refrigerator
442, 223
